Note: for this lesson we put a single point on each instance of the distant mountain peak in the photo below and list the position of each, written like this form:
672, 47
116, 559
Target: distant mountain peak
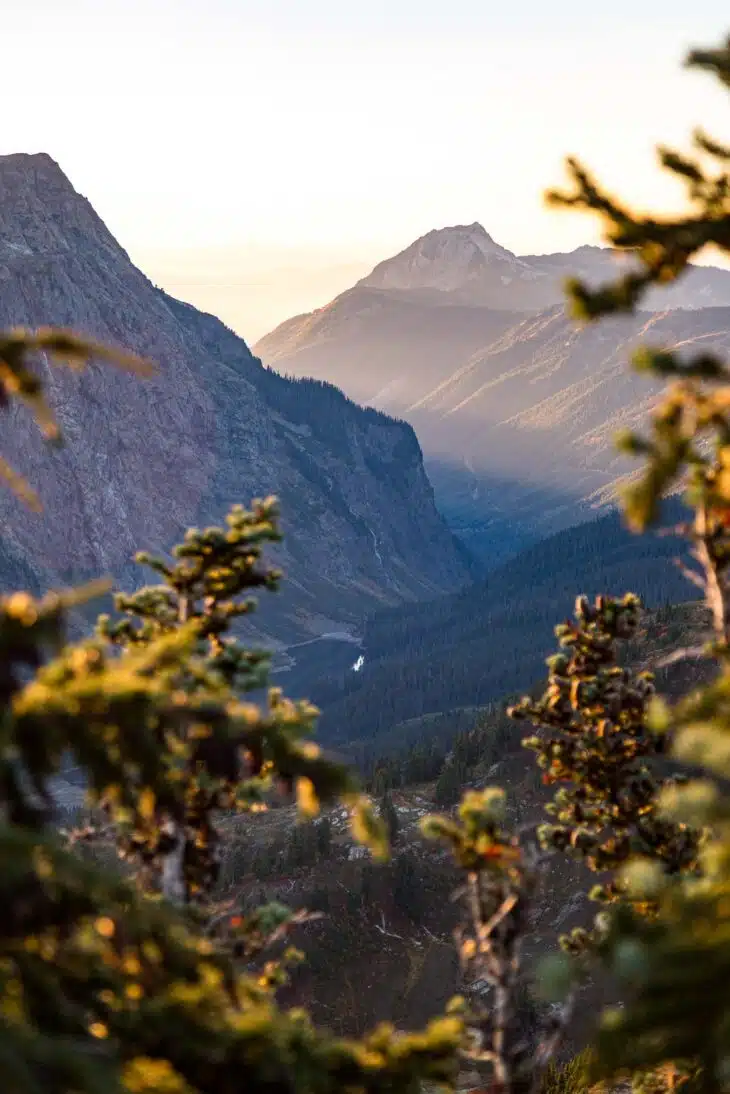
445, 259
475, 234
475, 230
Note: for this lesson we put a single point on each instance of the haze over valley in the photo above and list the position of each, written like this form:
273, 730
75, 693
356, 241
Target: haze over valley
516, 407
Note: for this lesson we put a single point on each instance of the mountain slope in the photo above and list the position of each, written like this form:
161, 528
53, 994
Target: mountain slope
539, 410
145, 460
515, 406
386, 348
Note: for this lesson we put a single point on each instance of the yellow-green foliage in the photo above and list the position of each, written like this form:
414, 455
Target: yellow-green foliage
596, 745
568, 1078
18, 380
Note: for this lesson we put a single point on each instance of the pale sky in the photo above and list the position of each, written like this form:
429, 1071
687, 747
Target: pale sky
257, 156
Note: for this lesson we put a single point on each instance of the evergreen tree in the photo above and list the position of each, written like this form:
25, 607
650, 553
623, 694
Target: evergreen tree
407, 885
596, 742
673, 966
302, 847
389, 815
450, 783
205, 589
324, 837
504, 875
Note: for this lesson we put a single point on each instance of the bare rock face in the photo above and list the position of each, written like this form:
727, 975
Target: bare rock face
145, 459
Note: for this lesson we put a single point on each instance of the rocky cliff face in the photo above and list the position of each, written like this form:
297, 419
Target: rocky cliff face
145, 459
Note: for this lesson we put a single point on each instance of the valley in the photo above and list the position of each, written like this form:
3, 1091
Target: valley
364, 570
419, 587
426, 663
296, 666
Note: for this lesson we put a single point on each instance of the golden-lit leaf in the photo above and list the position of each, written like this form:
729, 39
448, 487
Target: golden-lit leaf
146, 804
307, 800
369, 829
105, 927
147, 1076
18, 485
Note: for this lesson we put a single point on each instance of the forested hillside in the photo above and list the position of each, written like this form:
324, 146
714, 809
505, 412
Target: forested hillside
390, 928
470, 648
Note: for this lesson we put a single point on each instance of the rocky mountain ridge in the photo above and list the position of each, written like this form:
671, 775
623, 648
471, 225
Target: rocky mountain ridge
146, 459
463, 264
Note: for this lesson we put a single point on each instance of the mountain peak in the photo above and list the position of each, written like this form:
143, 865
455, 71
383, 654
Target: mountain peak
445, 259
40, 211
477, 230
474, 233
28, 159
26, 170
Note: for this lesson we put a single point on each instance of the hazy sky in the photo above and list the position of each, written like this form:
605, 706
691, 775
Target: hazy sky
256, 156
